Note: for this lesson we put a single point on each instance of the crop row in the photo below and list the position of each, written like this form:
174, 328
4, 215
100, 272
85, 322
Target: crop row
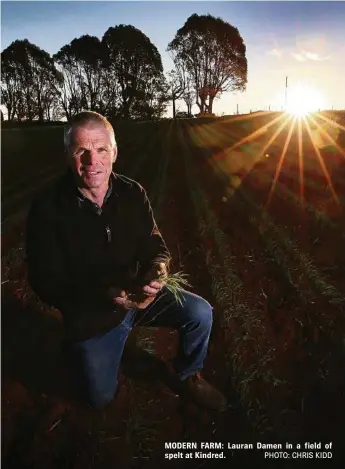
295, 264
250, 350
319, 217
144, 416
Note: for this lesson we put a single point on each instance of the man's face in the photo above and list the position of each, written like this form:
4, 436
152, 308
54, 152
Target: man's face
91, 155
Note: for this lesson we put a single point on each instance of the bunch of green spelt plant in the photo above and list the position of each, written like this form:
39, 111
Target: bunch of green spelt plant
174, 282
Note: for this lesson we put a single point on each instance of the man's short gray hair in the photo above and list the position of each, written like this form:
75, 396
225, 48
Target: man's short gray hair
84, 119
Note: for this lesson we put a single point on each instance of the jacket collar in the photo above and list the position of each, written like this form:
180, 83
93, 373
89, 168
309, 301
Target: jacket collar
82, 198
71, 193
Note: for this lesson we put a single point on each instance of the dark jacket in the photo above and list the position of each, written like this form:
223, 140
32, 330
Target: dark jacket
76, 251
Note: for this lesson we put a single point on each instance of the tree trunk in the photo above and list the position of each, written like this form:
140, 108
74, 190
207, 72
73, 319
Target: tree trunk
40, 110
28, 107
210, 104
203, 105
174, 108
10, 113
126, 110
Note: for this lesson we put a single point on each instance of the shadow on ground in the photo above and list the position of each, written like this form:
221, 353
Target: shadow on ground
38, 390
33, 354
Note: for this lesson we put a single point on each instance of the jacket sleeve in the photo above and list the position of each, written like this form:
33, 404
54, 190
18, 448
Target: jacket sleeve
45, 264
151, 248
47, 269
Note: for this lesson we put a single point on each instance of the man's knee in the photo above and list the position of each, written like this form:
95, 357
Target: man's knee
205, 313
201, 312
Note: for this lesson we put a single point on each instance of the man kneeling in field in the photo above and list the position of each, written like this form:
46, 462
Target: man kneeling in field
95, 253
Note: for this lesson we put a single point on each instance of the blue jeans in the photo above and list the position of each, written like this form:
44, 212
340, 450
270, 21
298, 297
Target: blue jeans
97, 359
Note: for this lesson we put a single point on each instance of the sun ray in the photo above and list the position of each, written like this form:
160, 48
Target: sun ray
274, 136
210, 133
328, 137
267, 145
216, 136
301, 162
281, 160
330, 121
322, 163
256, 133
216, 159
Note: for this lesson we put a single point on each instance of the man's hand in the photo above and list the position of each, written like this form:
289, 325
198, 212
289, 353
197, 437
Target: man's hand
127, 301
154, 279
144, 295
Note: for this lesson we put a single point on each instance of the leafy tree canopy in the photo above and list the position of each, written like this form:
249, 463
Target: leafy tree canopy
213, 53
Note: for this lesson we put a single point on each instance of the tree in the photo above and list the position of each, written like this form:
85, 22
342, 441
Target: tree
176, 83
189, 95
134, 61
82, 75
153, 99
28, 74
176, 88
213, 54
10, 85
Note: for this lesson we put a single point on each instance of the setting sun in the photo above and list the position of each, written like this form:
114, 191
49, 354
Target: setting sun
303, 99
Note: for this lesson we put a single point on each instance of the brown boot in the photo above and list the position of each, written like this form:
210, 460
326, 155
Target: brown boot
203, 393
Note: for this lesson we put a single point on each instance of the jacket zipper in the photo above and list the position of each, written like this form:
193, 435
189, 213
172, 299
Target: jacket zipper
107, 229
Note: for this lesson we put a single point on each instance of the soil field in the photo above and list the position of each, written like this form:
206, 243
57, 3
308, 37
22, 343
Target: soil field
260, 238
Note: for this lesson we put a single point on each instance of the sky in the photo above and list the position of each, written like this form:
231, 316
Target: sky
304, 41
